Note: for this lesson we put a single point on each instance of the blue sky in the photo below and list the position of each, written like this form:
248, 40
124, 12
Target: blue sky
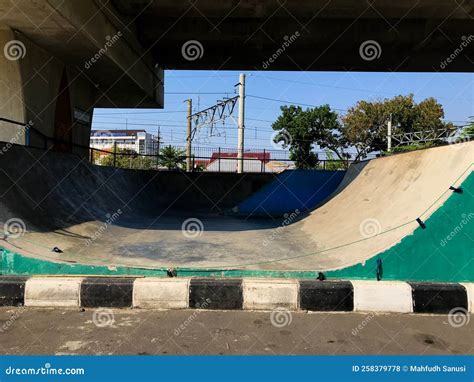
341, 90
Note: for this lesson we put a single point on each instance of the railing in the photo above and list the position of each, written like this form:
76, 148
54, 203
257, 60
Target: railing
205, 159
202, 159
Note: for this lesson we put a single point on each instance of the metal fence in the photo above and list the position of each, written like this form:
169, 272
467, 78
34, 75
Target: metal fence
219, 159
207, 159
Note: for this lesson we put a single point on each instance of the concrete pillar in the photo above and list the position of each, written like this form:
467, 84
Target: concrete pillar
11, 92
31, 91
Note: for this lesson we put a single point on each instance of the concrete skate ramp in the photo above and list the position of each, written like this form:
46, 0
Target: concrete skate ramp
103, 216
381, 205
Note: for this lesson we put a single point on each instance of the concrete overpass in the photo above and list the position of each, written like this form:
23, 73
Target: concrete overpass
413, 35
62, 58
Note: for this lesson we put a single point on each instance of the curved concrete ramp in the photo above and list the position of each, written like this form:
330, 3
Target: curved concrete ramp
101, 216
381, 205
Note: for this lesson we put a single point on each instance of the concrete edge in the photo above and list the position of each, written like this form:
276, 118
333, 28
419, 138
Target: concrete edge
57, 291
382, 296
470, 296
159, 293
264, 294
237, 294
439, 298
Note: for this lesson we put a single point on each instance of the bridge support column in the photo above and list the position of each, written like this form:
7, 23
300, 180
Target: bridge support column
38, 89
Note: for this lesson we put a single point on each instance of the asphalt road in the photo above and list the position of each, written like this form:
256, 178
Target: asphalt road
142, 332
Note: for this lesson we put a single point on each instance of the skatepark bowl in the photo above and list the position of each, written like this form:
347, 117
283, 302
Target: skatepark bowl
409, 215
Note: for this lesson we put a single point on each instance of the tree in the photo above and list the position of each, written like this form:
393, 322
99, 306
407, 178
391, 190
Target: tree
468, 131
365, 124
126, 158
172, 158
332, 164
301, 130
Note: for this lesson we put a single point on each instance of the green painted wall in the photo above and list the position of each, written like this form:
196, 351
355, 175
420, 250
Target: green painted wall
444, 251
428, 254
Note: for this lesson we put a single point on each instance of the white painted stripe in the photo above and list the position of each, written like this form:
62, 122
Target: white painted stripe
159, 293
261, 294
53, 291
470, 296
382, 296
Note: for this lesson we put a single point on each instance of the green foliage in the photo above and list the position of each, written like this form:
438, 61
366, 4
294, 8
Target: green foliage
126, 158
172, 158
408, 148
365, 124
301, 130
332, 164
199, 168
468, 132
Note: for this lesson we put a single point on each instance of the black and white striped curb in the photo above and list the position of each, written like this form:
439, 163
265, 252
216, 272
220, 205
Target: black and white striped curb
238, 294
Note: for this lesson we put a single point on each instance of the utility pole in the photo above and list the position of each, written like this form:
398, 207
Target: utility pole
389, 134
158, 140
188, 135
241, 125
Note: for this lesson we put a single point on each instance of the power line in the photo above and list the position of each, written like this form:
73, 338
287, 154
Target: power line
220, 93
320, 85
135, 124
208, 76
328, 86
141, 112
289, 102
141, 119
259, 120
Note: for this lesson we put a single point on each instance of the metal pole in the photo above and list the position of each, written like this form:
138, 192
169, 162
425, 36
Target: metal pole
158, 139
241, 127
115, 154
389, 134
219, 160
188, 136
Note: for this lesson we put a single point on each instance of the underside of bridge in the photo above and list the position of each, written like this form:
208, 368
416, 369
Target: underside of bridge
327, 35
62, 58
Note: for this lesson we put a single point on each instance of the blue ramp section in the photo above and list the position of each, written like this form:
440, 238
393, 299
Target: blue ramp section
291, 190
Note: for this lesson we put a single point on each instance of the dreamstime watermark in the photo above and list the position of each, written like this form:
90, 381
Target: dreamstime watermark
287, 41
14, 228
188, 321
370, 227
192, 50
14, 50
466, 40
281, 138
192, 228
288, 219
370, 50
363, 324
110, 219
103, 318
44, 370
22, 131
15, 316
458, 317
465, 220
281, 317
109, 42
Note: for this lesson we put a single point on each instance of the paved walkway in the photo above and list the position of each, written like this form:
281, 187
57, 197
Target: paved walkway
58, 331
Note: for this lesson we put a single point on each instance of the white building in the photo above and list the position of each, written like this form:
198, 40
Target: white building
137, 140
